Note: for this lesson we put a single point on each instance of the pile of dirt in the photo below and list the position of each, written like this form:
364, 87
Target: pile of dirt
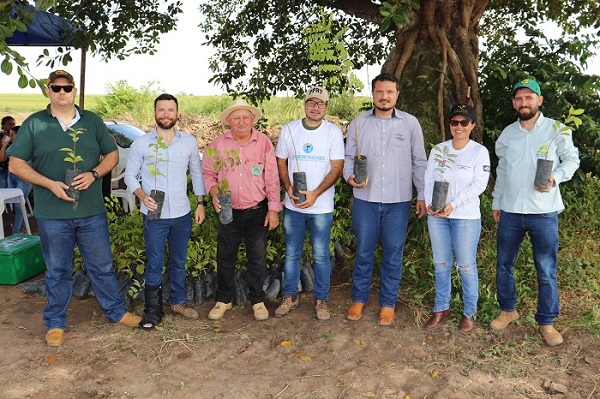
206, 129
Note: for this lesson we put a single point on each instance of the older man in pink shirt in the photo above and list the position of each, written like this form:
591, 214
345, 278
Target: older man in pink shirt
254, 185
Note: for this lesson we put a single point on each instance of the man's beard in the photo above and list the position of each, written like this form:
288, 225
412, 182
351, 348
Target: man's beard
384, 109
168, 125
529, 115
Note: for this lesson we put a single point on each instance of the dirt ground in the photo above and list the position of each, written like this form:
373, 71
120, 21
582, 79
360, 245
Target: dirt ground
291, 357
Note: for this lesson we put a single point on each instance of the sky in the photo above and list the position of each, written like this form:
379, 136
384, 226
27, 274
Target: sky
180, 64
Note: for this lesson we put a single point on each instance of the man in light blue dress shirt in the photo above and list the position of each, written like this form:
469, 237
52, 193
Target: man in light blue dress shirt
520, 207
174, 224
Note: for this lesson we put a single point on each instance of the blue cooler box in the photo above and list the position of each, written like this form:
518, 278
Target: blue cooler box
20, 258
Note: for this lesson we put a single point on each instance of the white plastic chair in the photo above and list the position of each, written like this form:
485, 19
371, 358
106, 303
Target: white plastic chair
127, 197
13, 196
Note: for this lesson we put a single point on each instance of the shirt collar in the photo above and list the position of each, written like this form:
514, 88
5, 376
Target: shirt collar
395, 114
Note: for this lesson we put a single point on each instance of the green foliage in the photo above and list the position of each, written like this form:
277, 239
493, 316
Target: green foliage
153, 166
443, 159
210, 106
327, 50
563, 85
344, 106
123, 99
116, 29
126, 238
225, 160
341, 227
396, 13
71, 152
270, 32
563, 129
8, 26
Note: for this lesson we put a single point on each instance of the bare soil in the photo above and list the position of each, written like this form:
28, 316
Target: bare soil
291, 357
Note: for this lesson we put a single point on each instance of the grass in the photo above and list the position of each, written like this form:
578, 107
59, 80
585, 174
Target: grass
276, 111
18, 103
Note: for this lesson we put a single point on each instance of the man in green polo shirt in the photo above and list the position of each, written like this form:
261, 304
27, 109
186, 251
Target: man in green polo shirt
63, 221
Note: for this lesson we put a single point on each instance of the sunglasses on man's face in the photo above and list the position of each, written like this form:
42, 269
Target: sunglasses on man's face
463, 123
67, 88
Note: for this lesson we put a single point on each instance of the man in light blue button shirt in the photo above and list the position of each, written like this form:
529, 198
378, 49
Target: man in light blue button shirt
174, 224
520, 207
392, 141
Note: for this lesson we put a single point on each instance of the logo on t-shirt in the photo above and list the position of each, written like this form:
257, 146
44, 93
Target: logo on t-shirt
486, 168
308, 148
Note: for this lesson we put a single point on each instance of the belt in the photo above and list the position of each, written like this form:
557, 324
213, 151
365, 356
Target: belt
261, 204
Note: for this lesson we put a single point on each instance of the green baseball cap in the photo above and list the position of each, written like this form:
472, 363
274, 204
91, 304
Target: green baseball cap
529, 84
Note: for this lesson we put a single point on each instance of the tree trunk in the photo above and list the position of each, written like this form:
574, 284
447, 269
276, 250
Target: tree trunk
436, 58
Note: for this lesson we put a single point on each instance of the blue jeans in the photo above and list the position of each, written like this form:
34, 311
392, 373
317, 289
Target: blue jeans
15, 181
373, 221
58, 238
295, 225
543, 233
176, 232
450, 239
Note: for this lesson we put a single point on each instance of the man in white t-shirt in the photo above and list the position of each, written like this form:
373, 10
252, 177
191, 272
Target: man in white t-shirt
316, 147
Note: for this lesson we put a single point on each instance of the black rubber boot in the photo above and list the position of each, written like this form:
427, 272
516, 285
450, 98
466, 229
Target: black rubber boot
153, 313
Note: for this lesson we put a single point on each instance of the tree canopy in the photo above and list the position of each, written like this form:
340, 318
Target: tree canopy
110, 29
432, 46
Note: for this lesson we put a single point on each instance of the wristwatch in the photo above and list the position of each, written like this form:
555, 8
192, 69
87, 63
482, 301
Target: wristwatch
95, 174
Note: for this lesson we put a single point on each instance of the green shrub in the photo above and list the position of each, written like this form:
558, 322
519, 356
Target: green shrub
125, 100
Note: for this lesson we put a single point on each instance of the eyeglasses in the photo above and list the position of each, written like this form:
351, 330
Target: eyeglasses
463, 123
67, 88
312, 104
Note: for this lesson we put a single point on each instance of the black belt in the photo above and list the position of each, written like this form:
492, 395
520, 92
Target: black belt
262, 204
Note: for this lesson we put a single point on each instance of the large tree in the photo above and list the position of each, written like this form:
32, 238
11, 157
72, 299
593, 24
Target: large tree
432, 46
110, 29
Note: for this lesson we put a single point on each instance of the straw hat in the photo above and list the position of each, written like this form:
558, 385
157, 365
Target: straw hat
238, 104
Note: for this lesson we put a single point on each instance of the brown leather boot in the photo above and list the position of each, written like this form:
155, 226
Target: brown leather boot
386, 316
355, 311
504, 319
437, 318
551, 336
466, 324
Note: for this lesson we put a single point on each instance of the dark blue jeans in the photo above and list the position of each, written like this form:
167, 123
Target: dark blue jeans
543, 232
249, 225
374, 221
58, 238
176, 232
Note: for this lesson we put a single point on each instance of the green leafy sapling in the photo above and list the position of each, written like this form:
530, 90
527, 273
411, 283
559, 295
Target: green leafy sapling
72, 156
443, 159
228, 159
157, 157
563, 128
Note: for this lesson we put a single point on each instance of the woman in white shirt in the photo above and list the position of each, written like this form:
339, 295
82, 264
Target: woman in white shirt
454, 230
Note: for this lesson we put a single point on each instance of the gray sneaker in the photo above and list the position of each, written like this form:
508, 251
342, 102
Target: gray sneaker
288, 303
322, 311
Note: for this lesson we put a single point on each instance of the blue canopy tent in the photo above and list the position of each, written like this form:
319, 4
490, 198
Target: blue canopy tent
45, 30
